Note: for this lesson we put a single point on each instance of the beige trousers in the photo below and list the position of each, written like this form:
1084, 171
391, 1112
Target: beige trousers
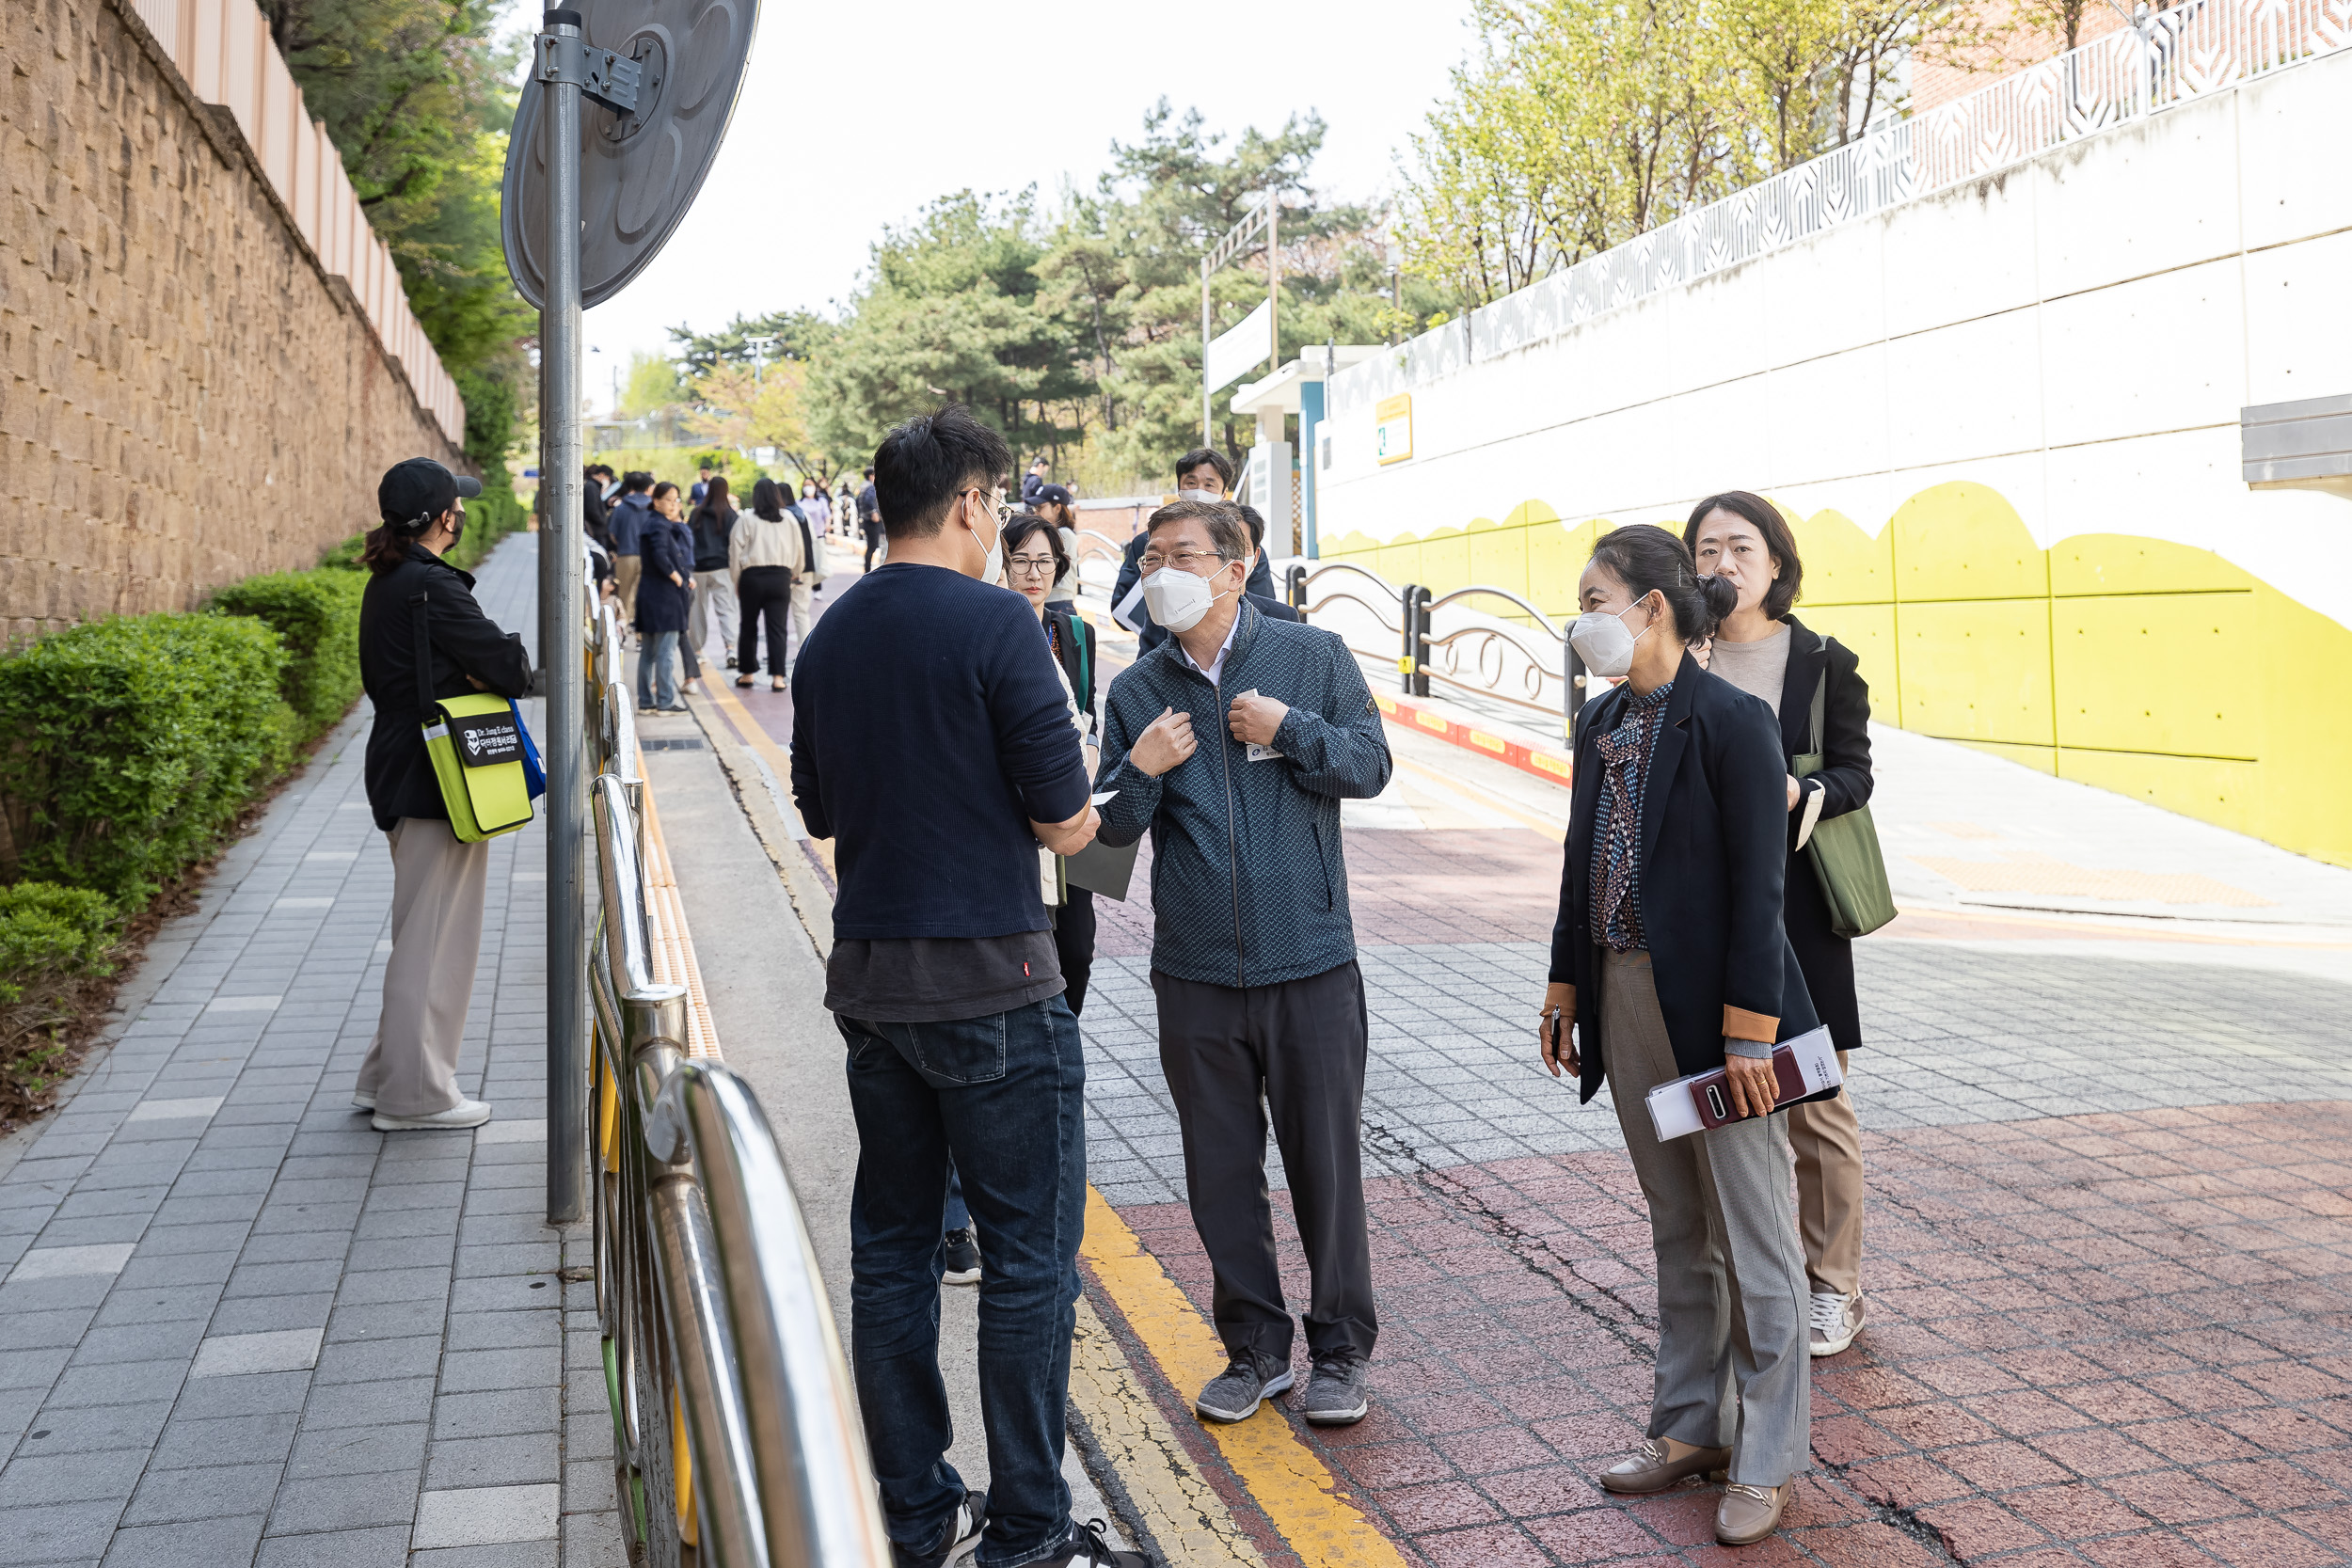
1827, 1142
625, 571
803, 614
437, 889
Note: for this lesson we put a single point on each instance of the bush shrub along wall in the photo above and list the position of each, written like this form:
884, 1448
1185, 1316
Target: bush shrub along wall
316, 616
133, 742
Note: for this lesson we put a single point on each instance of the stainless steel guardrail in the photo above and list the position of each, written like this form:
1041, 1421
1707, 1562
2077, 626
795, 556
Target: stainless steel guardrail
736, 1441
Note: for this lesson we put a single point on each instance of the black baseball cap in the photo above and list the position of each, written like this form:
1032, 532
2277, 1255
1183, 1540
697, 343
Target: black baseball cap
1054, 493
414, 491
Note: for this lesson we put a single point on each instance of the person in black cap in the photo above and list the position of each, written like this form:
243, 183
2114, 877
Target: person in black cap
417, 606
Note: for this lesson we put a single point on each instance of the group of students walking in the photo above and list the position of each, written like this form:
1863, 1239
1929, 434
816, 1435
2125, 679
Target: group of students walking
677, 577
952, 741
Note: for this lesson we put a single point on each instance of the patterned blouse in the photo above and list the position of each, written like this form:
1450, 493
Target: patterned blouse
1625, 753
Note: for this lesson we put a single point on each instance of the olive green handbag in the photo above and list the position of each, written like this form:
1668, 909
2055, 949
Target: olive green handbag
477, 746
1844, 849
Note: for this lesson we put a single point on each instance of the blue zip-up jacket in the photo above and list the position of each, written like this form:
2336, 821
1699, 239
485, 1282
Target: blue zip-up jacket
628, 521
1247, 884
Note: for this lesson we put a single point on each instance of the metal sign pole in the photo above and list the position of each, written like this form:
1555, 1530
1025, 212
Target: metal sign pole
1205, 394
561, 554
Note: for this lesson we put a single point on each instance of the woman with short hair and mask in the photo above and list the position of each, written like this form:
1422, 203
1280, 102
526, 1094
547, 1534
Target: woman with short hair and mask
1669, 959
1767, 652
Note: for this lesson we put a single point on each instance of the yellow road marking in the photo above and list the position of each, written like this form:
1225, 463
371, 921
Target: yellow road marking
754, 735
1280, 1473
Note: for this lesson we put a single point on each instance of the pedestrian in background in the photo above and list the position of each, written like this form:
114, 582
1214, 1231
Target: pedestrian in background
1767, 653
714, 585
869, 517
702, 485
1036, 482
815, 507
628, 521
1667, 959
1061, 512
665, 598
931, 740
416, 605
592, 505
1233, 744
1034, 566
764, 557
808, 582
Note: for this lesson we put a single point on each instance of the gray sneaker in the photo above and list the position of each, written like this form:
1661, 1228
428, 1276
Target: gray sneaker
1335, 1394
1234, 1394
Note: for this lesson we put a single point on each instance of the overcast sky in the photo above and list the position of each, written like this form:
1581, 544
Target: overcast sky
844, 127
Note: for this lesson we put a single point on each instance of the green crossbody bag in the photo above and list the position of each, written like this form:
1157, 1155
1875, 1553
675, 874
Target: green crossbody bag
476, 744
1845, 849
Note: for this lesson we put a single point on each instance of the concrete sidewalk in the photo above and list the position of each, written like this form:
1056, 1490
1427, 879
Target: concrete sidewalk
242, 1326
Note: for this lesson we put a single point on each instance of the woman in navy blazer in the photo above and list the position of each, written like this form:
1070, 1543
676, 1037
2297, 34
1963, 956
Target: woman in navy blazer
1669, 958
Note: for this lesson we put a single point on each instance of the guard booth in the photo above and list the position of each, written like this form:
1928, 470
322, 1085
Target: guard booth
1296, 388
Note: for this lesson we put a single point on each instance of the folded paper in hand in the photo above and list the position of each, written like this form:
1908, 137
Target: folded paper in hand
1681, 1106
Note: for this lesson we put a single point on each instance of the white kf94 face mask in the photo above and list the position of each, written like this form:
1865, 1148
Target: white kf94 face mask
1602, 642
1177, 599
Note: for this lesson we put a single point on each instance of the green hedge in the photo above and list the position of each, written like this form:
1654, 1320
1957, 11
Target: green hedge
489, 518
52, 936
316, 616
133, 742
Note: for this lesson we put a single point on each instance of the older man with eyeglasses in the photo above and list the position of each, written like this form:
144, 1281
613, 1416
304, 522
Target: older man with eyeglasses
1234, 743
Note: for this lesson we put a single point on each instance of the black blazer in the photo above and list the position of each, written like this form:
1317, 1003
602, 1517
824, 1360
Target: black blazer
1845, 777
1074, 644
464, 642
1715, 852
1844, 785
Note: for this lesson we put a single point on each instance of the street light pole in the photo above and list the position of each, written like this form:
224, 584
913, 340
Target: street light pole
560, 644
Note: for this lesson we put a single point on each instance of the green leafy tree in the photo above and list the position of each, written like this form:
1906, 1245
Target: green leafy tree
415, 96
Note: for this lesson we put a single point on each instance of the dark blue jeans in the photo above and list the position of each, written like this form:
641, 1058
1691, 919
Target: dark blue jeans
1004, 1098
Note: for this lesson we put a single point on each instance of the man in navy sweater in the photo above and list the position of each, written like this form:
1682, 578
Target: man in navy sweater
933, 742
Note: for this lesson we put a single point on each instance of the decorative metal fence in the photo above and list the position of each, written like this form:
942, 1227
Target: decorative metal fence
736, 1441
1517, 655
2162, 59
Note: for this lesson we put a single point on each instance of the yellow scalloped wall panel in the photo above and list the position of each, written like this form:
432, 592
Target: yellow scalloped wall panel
1964, 542
2224, 793
1842, 564
1868, 629
1977, 669
2152, 668
2157, 672
1498, 557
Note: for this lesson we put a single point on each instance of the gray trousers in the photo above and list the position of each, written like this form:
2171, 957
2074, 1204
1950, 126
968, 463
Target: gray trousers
437, 889
715, 609
1297, 1048
1733, 1366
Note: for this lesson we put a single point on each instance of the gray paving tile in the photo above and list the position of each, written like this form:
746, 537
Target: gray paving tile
492, 1414
344, 1404
344, 1502
214, 1492
191, 1443
95, 1427
358, 1450
40, 1479
382, 1547
58, 1532
176, 1545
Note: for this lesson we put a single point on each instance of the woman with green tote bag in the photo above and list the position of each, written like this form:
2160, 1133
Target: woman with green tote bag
1813, 685
417, 607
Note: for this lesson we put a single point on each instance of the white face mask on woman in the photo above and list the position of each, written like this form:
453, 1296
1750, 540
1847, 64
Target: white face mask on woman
1602, 642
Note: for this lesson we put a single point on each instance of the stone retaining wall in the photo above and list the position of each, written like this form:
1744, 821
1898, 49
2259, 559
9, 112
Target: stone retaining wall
186, 398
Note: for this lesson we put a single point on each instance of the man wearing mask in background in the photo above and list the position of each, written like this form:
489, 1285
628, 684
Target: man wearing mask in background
628, 521
1234, 743
1036, 482
1203, 474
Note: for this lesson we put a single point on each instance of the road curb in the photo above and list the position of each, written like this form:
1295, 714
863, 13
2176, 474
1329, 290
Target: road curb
1551, 767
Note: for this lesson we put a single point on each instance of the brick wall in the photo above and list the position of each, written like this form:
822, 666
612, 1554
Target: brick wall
186, 398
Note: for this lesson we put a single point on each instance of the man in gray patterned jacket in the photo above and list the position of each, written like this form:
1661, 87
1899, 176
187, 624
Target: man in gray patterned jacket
1234, 743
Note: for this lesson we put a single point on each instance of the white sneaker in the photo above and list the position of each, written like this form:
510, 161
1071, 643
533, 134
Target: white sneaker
1836, 1320
466, 1112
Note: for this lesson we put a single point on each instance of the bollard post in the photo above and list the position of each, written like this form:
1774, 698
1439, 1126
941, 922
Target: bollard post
1295, 588
560, 549
1573, 693
1417, 641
